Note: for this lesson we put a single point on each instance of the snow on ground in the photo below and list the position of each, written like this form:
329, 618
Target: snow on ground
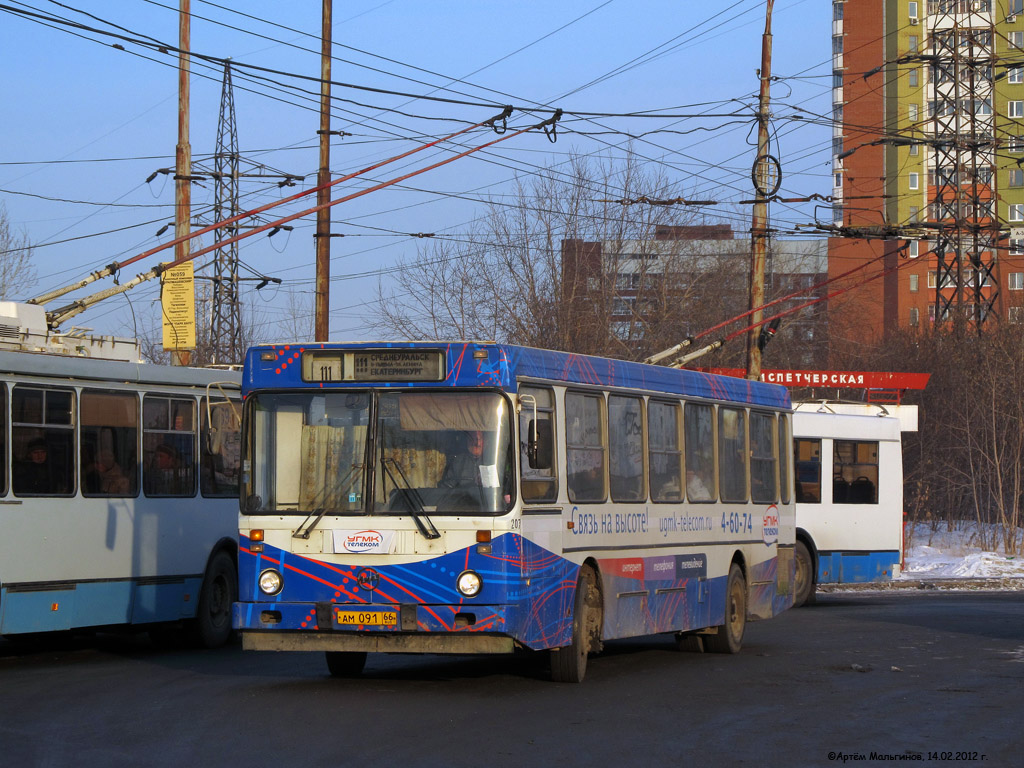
934, 552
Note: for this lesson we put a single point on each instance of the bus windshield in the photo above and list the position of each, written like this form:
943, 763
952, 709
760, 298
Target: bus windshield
427, 453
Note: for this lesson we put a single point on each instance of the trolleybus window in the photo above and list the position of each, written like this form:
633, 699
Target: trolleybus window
808, 470
699, 426
168, 446
784, 479
3, 439
538, 480
664, 448
585, 452
855, 472
732, 454
109, 443
42, 434
763, 469
220, 452
626, 443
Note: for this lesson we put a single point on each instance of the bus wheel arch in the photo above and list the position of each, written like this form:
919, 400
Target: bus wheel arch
805, 557
729, 637
217, 595
569, 663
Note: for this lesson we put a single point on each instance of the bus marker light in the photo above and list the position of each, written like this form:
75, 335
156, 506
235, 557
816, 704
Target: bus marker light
54, 606
469, 583
482, 537
570, 525
480, 354
256, 540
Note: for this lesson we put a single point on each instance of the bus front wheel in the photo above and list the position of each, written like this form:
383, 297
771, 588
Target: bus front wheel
803, 588
729, 638
216, 596
569, 664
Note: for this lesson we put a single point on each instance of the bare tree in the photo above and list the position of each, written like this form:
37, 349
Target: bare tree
16, 272
569, 263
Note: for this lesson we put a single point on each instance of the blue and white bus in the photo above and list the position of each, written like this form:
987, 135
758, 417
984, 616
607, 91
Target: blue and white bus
118, 494
469, 497
849, 494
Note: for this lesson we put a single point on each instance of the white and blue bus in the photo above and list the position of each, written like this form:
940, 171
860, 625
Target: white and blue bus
478, 498
118, 495
849, 495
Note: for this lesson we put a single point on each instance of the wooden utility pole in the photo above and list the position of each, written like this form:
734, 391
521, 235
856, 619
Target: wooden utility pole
762, 191
183, 155
322, 323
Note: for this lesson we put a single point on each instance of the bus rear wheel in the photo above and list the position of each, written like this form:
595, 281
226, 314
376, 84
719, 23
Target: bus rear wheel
345, 663
803, 587
729, 638
569, 664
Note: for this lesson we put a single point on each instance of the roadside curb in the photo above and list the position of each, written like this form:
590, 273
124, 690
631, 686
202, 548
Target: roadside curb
1003, 584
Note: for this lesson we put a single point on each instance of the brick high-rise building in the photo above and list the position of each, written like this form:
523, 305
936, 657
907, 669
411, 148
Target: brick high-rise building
928, 148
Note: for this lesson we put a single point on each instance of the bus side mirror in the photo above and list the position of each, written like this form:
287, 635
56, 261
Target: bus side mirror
539, 446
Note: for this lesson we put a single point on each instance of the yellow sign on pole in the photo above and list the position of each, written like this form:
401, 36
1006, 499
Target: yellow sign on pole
178, 302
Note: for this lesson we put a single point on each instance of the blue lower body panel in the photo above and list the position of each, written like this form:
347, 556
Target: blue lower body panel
71, 605
856, 567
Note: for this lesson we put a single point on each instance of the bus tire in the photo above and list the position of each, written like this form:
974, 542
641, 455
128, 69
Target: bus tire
345, 663
803, 588
216, 596
569, 664
729, 638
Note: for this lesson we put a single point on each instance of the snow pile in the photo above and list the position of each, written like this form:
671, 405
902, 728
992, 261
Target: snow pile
958, 554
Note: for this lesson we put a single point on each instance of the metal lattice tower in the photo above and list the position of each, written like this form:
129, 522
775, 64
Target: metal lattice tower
226, 316
962, 163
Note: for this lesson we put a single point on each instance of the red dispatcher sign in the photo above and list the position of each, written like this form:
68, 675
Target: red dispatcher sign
834, 379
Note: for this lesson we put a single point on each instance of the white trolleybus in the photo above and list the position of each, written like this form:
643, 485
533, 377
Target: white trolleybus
118, 486
478, 498
849, 493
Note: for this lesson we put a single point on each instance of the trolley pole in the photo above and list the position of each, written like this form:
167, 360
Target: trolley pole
183, 155
762, 191
322, 321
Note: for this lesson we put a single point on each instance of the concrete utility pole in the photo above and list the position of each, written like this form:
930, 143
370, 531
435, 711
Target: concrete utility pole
322, 322
183, 155
762, 191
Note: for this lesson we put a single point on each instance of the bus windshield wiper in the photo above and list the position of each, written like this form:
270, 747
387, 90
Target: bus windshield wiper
303, 531
412, 499
313, 518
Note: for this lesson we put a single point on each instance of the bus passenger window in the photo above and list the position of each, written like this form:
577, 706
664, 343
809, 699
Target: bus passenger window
168, 446
732, 454
666, 454
3, 439
220, 452
42, 437
763, 478
855, 472
807, 459
109, 437
626, 448
699, 428
585, 452
785, 482
538, 480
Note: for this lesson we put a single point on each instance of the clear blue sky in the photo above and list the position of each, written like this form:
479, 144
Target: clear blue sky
86, 123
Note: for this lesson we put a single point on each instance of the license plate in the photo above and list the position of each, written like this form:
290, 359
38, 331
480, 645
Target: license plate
368, 618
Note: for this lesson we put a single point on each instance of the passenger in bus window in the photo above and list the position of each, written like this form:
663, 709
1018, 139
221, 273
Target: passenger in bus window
695, 488
112, 479
32, 475
164, 478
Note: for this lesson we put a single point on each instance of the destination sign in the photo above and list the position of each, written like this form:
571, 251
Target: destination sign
398, 365
373, 365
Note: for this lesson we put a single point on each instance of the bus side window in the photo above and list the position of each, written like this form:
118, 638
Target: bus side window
109, 435
220, 448
699, 430
586, 454
168, 446
3, 439
538, 480
732, 454
807, 460
43, 432
855, 468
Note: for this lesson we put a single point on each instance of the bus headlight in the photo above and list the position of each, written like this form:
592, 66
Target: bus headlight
271, 582
469, 583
